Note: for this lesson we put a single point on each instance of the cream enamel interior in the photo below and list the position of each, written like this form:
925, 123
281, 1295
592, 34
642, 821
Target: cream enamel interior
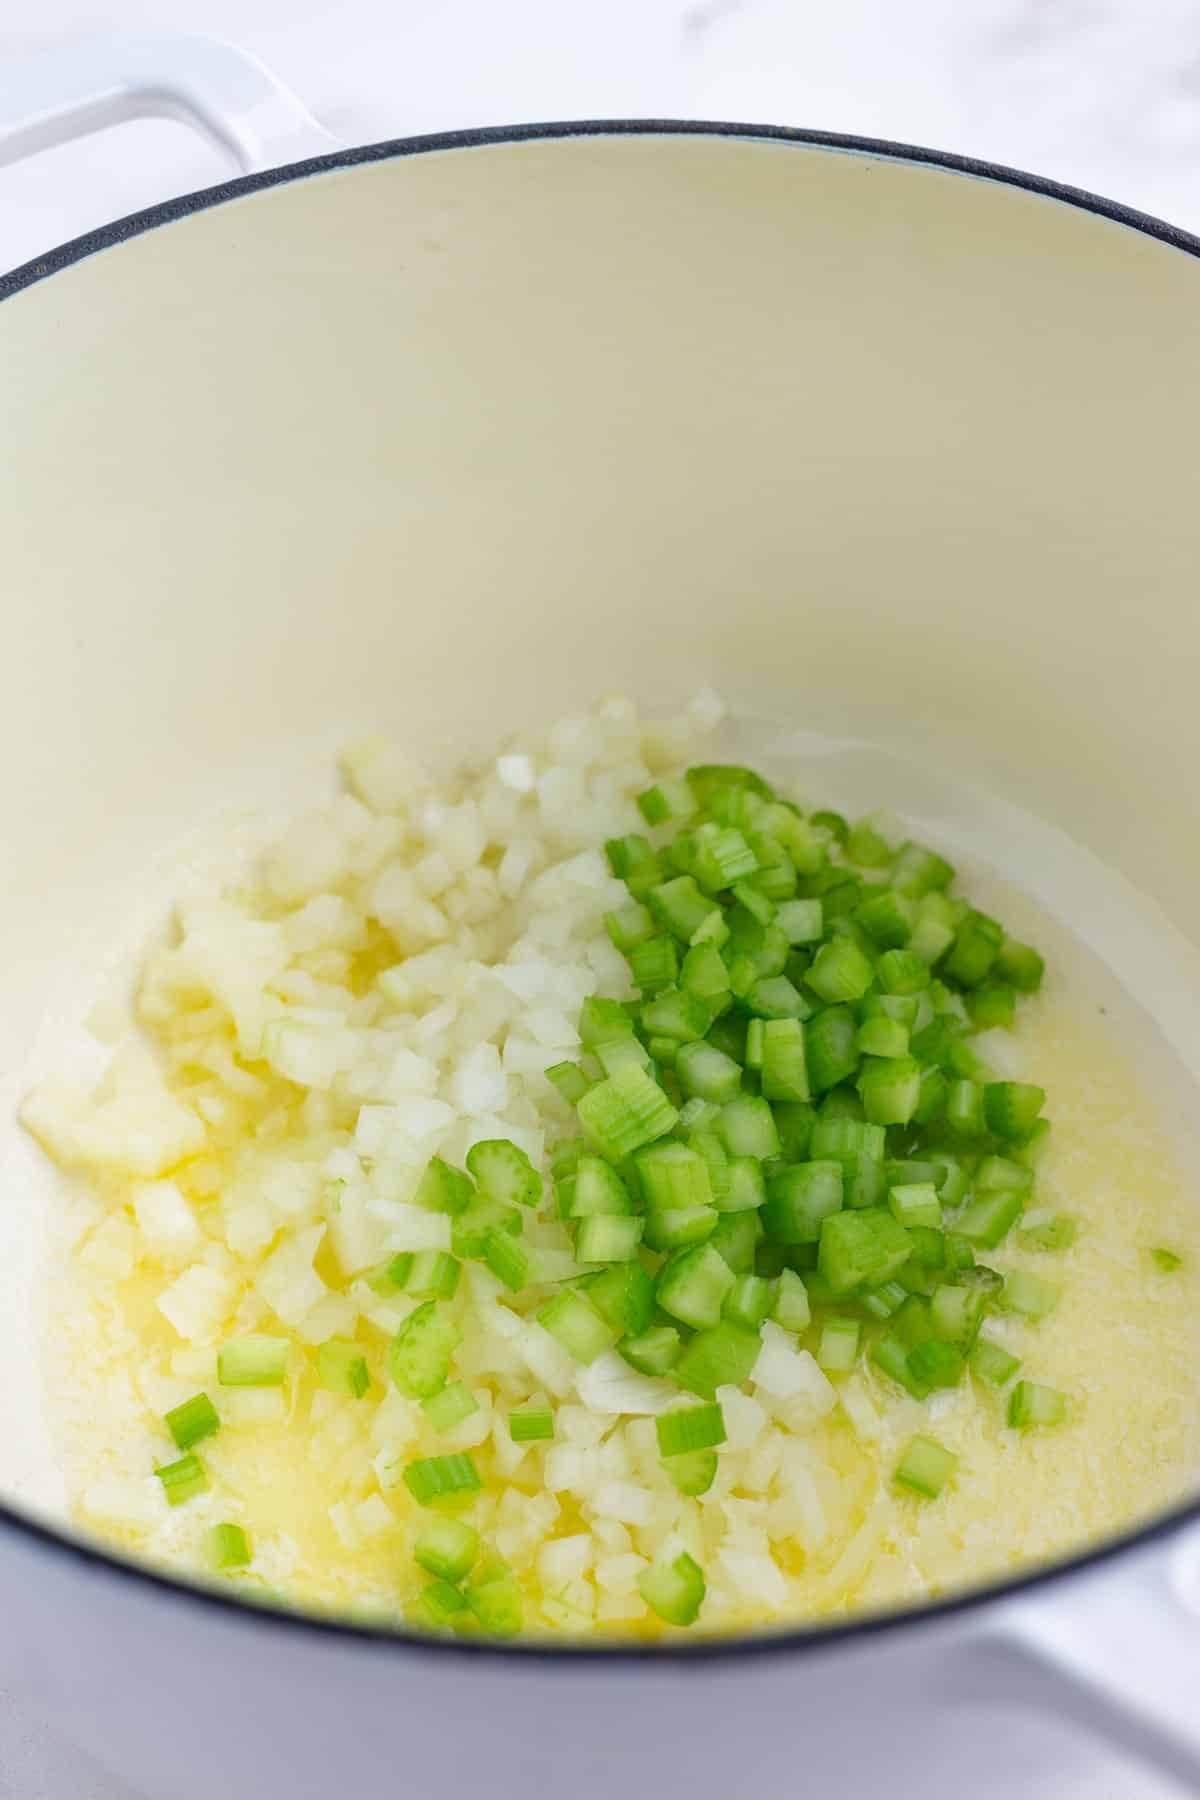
418, 444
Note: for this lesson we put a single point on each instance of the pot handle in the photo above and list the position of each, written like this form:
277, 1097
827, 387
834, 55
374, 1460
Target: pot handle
89, 84
1116, 1649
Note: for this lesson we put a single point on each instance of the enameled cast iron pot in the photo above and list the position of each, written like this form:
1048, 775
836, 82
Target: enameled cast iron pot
444, 434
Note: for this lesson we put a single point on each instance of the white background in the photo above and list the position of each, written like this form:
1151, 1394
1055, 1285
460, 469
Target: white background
1104, 94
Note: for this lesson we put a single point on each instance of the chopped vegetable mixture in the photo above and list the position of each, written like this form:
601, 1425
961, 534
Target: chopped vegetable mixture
590, 1166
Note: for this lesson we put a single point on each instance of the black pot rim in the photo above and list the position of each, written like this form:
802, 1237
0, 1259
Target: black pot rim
808, 1639
392, 149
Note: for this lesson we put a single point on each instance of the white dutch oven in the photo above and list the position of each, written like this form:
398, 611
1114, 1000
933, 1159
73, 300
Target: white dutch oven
441, 435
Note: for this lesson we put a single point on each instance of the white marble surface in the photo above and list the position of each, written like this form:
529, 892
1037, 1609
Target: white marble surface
1101, 93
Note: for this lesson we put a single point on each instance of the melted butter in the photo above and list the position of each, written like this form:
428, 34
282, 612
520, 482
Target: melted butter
1123, 1344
